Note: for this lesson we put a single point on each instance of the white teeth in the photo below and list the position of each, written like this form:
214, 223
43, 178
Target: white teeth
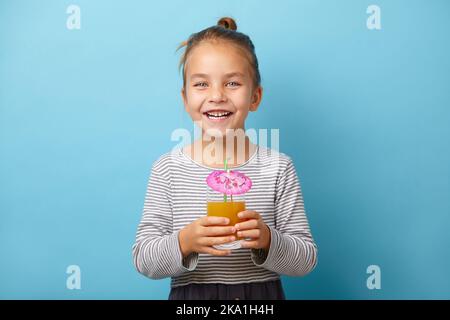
218, 114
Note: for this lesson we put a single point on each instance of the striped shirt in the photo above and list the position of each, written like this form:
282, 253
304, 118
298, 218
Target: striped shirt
176, 196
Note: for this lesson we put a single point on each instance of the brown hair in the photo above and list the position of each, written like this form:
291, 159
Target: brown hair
225, 30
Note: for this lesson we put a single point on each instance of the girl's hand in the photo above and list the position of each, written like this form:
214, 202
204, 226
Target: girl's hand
254, 228
201, 234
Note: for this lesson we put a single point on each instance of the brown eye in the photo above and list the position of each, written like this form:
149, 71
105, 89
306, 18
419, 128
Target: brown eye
200, 84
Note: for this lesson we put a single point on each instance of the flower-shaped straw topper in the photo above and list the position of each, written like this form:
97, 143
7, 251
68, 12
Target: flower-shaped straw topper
229, 182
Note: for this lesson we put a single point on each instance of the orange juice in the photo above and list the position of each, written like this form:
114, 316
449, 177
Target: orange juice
228, 209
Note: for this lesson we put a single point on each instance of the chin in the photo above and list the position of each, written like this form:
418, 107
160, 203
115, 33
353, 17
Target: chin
222, 132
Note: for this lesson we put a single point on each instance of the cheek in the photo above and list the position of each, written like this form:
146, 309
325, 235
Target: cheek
194, 100
242, 101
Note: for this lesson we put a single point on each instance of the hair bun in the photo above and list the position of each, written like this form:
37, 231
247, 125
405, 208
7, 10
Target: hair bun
227, 23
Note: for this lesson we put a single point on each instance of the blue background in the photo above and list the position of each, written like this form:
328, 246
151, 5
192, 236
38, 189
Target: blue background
363, 113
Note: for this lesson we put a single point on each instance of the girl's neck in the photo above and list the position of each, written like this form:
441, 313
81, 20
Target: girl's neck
212, 153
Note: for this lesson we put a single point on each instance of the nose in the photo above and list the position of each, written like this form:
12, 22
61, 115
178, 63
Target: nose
217, 94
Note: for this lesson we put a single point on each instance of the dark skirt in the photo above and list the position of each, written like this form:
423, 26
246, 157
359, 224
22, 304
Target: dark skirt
269, 290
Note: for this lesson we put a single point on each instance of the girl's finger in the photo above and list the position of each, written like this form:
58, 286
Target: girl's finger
218, 231
253, 233
248, 214
214, 221
210, 241
249, 244
215, 252
246, 225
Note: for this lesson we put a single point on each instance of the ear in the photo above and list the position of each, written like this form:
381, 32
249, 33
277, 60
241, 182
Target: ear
256, 98
183, 96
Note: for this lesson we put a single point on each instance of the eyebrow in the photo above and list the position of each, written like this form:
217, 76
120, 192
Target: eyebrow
228, 75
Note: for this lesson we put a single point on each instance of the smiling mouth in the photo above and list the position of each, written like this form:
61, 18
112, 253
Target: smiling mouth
218, 115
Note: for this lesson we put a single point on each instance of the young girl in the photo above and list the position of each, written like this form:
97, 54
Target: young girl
175, 238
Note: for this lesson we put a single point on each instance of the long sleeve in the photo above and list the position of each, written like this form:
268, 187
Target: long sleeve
292, 249
156, 251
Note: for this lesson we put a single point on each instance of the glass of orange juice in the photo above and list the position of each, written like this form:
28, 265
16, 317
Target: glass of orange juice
220, 205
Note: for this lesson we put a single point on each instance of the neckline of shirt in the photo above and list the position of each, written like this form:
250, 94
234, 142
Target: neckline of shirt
212, 168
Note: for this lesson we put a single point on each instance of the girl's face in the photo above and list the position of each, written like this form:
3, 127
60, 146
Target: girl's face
219, 89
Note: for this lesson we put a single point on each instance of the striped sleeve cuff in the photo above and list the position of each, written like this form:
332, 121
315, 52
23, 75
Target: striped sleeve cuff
163, 258
287, 255
188, 263
261, 257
